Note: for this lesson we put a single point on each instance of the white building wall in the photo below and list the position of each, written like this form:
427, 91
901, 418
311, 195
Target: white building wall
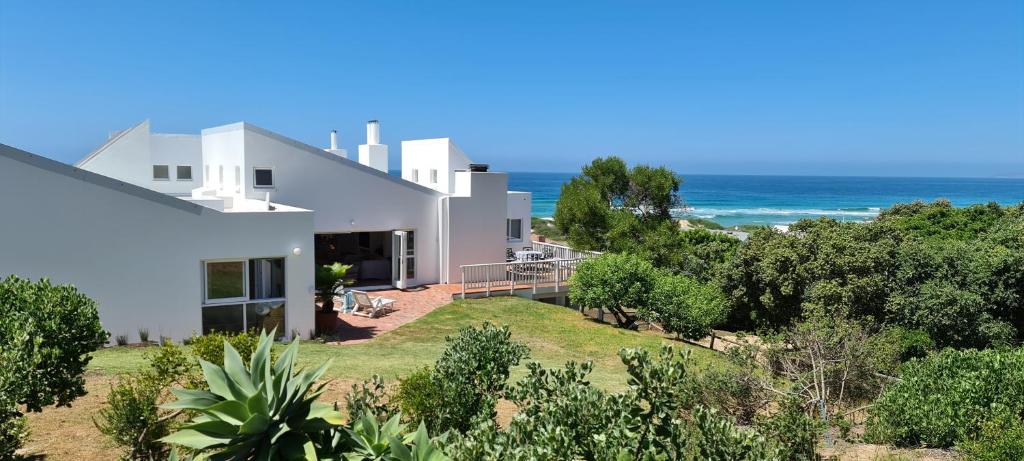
138, 253
440, 154
125, 156
176, 150
346, 196
476, 224
224, 158
519, 207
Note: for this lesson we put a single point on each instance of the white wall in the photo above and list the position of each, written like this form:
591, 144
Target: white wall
176, 150
346, 196
136, 252
440, 154
224, 151
476, 224
519, 207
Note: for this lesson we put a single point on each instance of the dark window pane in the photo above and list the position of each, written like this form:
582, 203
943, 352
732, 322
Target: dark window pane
265, 316
161, 172
410, 244
266, 278
410, 267
225, 280
227, 318
263, 177
185, 172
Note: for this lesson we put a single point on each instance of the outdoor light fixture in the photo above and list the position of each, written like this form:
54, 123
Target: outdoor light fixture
296, 251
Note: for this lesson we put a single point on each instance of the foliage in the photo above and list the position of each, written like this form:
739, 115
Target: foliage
581, 214
546, 228
46, 335
941, 220
144, 335
707, 254
892, 346
210, 347
704, 223
328, 279
610, 177
470, 372
1000, 438
419, 395
942, 399
370, 440
131, 418
61, 327
618, 282
684, 306
562, 416
266, 410
793, 429
736, 389
370, 397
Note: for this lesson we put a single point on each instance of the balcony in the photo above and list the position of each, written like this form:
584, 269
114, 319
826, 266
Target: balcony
539, 268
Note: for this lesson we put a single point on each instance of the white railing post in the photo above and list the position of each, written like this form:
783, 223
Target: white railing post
463, 282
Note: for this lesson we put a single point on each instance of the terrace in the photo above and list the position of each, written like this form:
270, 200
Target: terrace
539, 269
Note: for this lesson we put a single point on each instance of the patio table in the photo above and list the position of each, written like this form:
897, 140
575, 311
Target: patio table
529, 255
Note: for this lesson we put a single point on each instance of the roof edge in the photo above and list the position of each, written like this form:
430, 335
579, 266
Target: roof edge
64, 169
109, 143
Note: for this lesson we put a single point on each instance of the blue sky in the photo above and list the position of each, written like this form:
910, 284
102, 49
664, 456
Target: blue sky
916, 88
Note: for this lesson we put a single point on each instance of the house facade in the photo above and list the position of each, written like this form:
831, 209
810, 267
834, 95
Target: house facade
396, 231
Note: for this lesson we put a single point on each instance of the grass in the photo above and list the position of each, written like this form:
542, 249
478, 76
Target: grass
554, 334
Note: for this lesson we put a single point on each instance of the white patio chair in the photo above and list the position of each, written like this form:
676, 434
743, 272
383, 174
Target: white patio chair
370, 307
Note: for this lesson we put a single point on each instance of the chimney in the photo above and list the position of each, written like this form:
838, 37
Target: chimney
334, 146
374, 154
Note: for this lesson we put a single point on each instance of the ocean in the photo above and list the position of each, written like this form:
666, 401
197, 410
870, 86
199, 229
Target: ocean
733, 200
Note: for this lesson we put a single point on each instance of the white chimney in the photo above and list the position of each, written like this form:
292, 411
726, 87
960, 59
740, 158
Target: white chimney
334, 146
373, 132
374, 154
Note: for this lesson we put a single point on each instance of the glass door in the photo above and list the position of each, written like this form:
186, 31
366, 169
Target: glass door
398, 243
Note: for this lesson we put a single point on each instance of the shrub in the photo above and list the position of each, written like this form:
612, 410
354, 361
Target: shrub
736, 390
46, 335
685, 307
144, 335
470, 372
371, 397
617, 282
941, 400
419, 395
796, 433
894, 345
210, 347
171, 364
1000, 438
132, 420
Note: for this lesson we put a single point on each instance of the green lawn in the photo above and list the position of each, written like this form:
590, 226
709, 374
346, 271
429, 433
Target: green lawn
554, 334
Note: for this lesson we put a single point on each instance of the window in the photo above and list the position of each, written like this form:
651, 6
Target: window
433, 176
206, 173
514, 230
415, 175
262, 177
161, 173
410, 255
184, 173
238, 176
243, 295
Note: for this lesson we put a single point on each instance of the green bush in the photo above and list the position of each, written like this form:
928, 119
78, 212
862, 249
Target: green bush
471, 371
210, 347
892, 346
1001, 438
685, 307
131, 418
370, 397
735, 390
942, 400
46, 335
796, 433
419, 395
618, 282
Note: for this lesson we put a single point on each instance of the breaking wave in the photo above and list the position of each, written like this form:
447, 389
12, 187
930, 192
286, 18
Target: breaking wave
793, 213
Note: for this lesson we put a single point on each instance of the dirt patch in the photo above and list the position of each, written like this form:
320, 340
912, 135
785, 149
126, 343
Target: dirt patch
68, 432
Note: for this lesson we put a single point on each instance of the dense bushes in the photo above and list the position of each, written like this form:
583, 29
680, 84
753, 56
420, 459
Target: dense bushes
46, 335
618, 282
941, 400
685, 307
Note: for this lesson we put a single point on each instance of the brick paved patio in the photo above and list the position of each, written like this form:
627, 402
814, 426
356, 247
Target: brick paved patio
409, 305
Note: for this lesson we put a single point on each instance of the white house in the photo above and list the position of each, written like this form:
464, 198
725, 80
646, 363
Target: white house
442, 213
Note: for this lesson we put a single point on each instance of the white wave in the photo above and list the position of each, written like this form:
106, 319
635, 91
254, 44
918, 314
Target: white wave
709, 213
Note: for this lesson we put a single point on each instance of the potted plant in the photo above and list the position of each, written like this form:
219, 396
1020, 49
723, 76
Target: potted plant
329, 278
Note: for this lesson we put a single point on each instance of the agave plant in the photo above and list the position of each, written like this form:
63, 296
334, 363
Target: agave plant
267, 411
367, 439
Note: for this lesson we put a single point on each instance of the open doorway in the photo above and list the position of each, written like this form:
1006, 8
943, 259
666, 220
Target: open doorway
369, 253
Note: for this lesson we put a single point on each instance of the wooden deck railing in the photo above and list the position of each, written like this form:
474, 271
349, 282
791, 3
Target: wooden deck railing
511, 276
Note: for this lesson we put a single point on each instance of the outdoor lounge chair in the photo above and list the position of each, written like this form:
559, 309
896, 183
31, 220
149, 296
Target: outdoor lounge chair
370, 307
510, 255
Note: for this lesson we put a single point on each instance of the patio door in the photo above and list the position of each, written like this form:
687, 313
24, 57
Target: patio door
399, 243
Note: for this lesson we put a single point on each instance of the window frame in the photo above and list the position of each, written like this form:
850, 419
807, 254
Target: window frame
509, 227
177, 173
206, 279
247, 299
273, 182
168, 173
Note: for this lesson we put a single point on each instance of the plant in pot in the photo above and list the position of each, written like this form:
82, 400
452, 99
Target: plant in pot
329, 278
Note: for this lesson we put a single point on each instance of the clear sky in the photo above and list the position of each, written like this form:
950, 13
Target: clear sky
904, 88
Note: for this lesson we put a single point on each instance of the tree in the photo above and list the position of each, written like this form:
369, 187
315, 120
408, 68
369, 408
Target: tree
686, 307
46, 335
611, 176
620, 283
653, 192
582, 214
328, 279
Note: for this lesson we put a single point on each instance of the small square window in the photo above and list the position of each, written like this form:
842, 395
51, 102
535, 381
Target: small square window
184, 173
161, 172
433, 176
262, 177
415, 175
515, 229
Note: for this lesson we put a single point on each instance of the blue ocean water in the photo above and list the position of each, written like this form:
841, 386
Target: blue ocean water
732, 200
